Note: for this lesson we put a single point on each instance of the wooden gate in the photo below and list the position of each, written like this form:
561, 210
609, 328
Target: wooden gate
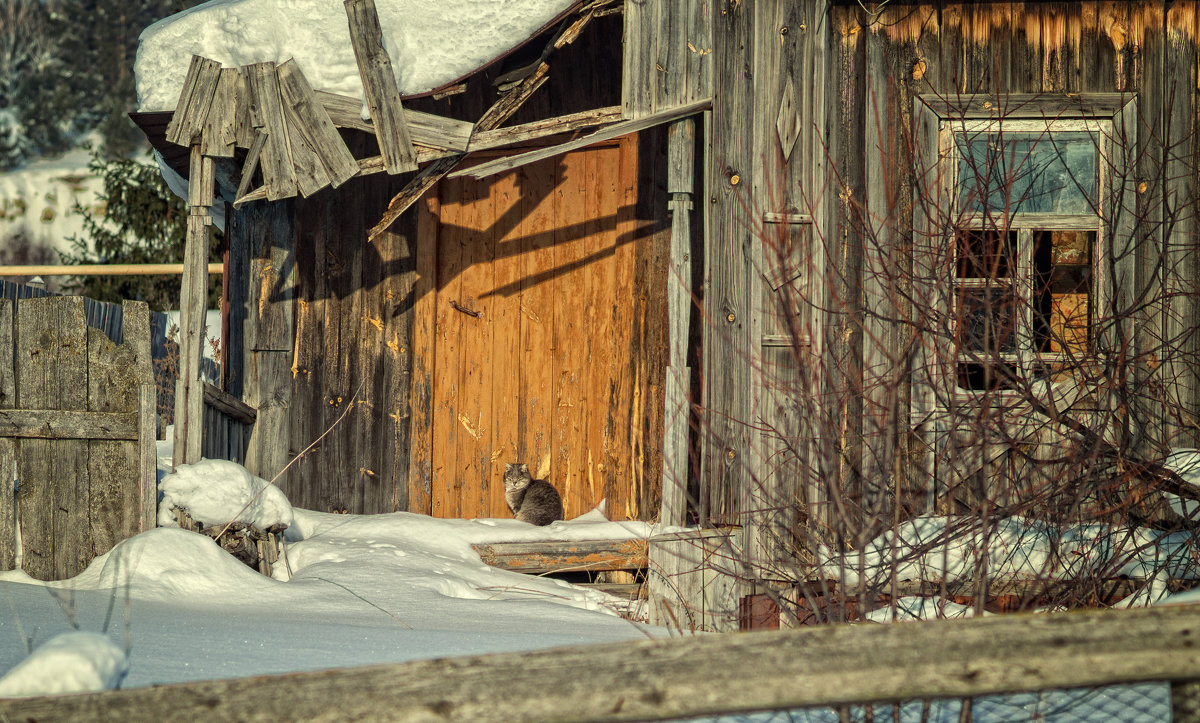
528, 337
76, 434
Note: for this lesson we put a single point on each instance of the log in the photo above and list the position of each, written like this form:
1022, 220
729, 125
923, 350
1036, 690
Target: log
537, 558
693, 676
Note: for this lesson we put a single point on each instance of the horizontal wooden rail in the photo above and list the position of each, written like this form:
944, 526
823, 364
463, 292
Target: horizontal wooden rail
229, 405
537, 558
102, 270
693, 676
60, 424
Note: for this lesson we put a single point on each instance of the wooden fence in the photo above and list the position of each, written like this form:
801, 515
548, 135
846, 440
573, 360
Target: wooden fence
693, 676
76, 434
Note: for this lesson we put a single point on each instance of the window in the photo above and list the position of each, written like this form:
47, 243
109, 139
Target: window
1026, 228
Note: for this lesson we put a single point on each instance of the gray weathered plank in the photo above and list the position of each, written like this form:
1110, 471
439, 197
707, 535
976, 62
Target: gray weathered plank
195, 99
53, 492
67, 424
267, 116
426, 129
219, 136
313, 123
379, 85
614, 131
192, 304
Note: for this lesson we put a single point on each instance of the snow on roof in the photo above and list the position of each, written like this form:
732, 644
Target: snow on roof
431, 44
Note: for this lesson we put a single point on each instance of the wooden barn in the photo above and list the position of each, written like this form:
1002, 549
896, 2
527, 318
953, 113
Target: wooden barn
742, 264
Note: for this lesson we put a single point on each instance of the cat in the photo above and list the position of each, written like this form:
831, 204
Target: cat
531, 500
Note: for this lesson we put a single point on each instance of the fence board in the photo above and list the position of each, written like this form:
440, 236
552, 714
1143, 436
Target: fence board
51, 360
8, 397
676, 678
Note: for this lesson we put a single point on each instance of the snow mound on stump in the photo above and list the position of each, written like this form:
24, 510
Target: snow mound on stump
214, 492
72, 662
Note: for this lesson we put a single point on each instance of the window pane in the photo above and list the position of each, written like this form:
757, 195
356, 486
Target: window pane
1028, 172
1062, 262
985, 254
987, 320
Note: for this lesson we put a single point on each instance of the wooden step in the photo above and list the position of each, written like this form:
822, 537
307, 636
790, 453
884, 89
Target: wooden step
541, 558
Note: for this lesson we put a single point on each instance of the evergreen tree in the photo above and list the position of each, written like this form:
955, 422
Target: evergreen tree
143, 223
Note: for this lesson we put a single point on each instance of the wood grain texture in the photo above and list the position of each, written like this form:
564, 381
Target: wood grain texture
188, 122
538, 558
675, 678
54, 488
8, 461
379, 84
534, 348
279, 175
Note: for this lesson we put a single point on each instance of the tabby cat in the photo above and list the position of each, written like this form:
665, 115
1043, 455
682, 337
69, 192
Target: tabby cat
531, 500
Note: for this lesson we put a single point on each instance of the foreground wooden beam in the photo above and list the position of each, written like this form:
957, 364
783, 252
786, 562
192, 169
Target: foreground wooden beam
677, 677
101, 270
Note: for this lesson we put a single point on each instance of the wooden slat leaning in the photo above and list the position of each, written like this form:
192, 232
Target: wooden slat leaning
677, 677
379, 84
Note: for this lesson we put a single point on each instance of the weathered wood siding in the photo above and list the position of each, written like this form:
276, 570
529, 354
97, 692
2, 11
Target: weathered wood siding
328, 336
885, 56
528, 344
763, 206
76, 434
668, 59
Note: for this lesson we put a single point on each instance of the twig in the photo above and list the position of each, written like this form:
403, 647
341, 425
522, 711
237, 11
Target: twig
295, 459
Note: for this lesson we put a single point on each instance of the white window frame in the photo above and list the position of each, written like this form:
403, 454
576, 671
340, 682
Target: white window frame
1025, 358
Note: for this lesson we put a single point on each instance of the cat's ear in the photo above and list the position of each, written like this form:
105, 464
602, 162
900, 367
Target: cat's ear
507, 468
523, 467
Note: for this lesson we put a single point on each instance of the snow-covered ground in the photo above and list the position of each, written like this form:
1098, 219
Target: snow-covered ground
40, 198
354, 590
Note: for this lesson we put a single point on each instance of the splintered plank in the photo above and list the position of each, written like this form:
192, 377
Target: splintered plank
266, 112
425, 129
53, 497
219, 137
379, 85
536, 558
313, 123
191, 111
495, 116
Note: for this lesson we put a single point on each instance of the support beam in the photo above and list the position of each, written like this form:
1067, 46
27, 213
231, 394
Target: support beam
193, 302
676, 473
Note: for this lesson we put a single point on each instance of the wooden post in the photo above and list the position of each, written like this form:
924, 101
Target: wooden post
193, 303
681, 141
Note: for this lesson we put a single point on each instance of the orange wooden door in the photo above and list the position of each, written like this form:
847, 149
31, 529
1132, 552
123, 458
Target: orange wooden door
525, 319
